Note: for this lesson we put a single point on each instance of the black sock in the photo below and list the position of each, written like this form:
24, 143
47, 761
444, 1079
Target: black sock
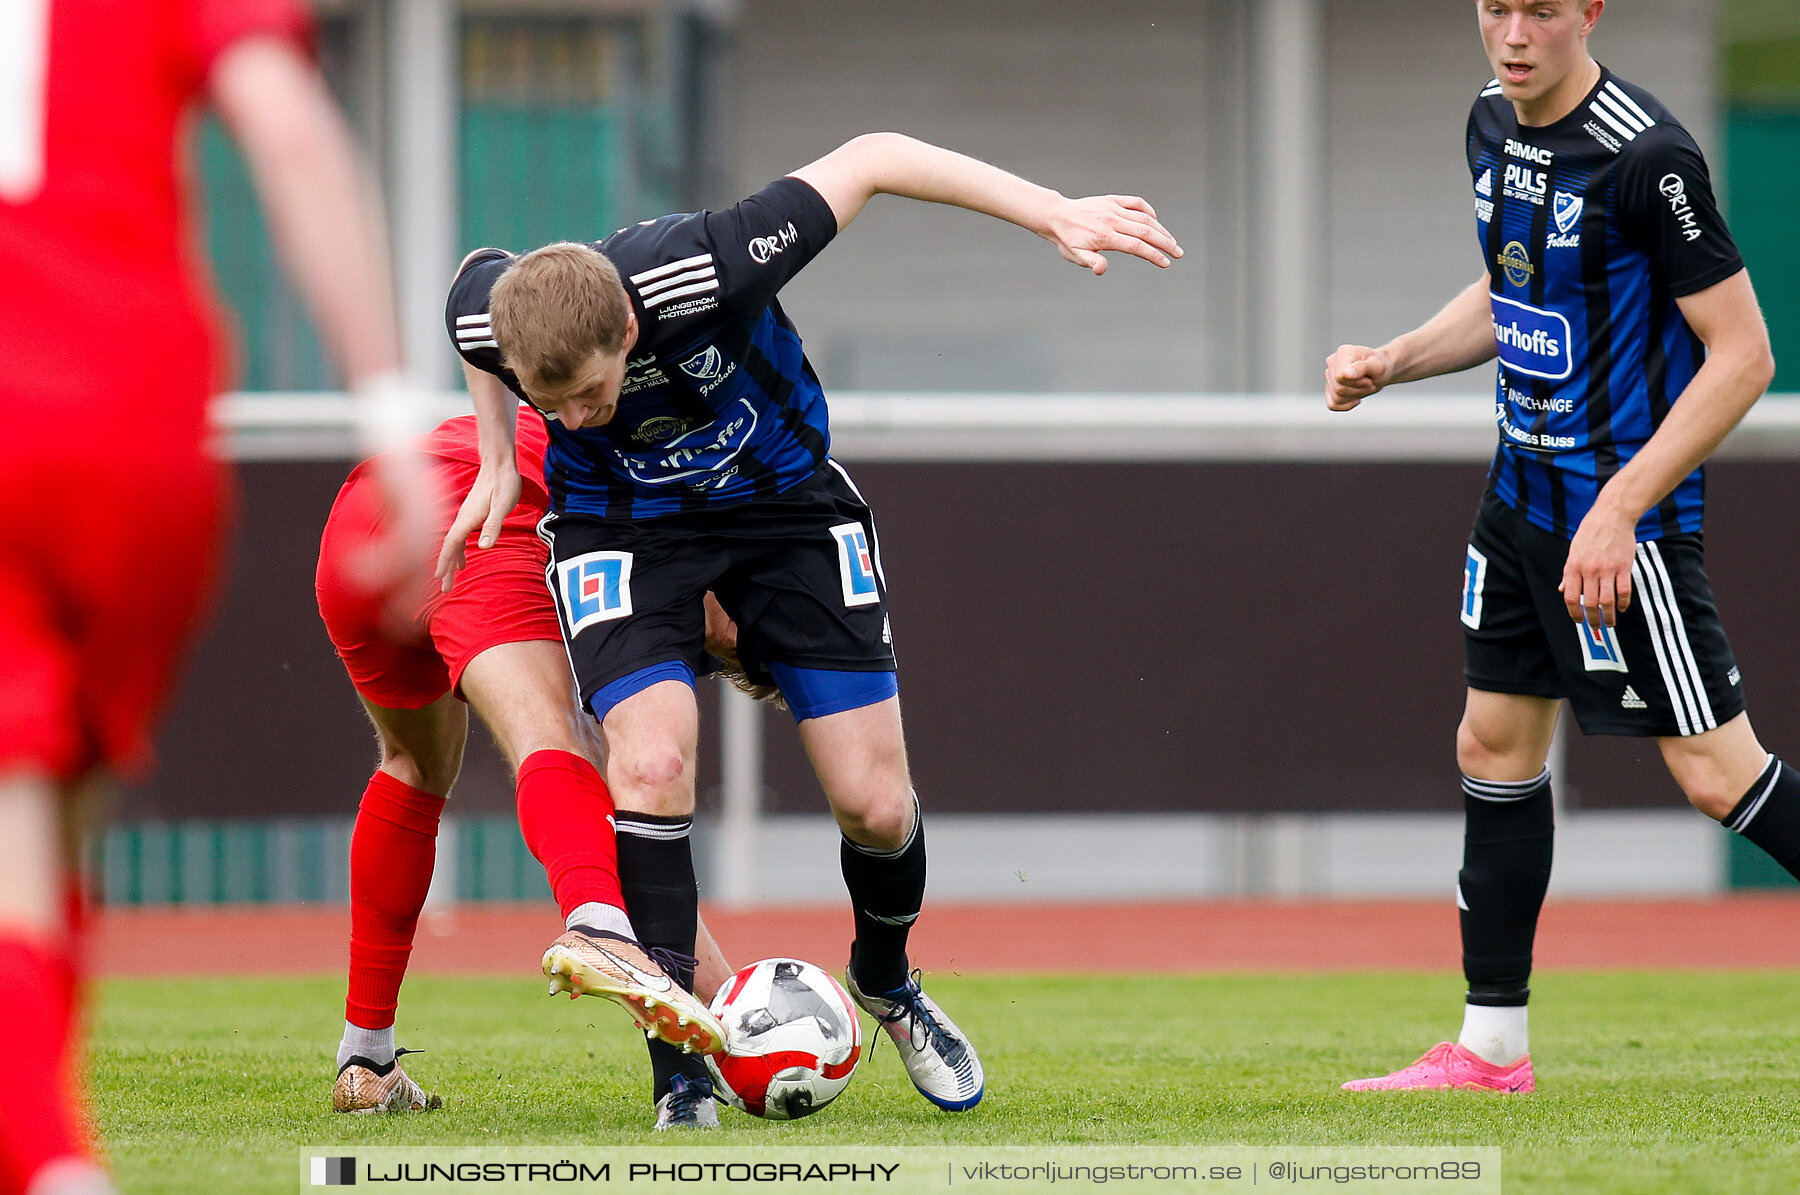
1769, 815
656, 874
1508, 836
886, 890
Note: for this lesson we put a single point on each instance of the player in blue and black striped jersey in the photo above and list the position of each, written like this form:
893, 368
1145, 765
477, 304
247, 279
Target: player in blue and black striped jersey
690, 451
1629, 344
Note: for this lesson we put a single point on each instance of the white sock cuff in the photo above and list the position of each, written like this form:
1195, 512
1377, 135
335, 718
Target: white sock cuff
1499, 1034
597, 915
377, 1045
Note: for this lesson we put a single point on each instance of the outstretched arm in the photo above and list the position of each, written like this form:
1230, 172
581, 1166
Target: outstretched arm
1081, 229
1459, 337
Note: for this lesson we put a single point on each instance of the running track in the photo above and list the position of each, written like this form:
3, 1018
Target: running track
1736, 931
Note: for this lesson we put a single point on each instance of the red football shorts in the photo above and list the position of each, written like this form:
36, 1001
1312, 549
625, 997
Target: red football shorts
106, 568
501, 596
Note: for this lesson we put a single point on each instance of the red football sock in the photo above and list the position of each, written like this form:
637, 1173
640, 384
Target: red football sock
392, 851
565, 814
40, 1120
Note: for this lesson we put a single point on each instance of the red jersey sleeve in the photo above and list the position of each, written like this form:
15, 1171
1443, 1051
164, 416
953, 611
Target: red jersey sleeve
214, 26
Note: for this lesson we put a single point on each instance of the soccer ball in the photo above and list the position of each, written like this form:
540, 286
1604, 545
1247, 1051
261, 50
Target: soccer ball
792, 1039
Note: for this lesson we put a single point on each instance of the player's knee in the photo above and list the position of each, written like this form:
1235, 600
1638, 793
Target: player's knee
657, 778
1709, 795
883, 821
1478, 753
432, 771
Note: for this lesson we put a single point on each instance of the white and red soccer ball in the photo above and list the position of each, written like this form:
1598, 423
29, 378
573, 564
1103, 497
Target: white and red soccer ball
792, 1039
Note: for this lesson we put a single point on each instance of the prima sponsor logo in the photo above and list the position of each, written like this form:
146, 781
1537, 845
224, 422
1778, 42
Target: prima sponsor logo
1529, 153
1516, 262
1674, 189
1531, 340
763, 248
1733, 677
1526, 184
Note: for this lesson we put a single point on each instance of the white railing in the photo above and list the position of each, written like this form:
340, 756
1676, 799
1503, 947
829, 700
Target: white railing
1058, 427
922, 428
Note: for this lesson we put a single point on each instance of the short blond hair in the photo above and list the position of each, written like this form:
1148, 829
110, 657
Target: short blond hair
554, 308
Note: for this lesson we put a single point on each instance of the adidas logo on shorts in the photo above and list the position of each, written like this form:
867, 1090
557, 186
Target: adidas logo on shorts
1631, 701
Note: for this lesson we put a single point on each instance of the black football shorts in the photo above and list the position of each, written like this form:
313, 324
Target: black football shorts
1665, 670
799, 572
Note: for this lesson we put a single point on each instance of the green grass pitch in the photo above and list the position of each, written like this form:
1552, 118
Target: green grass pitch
1648, 1081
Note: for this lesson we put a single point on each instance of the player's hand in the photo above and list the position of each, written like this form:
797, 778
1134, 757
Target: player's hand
490, 500
1082, 229
1596, 582
416, 508
721, 632
1353, 373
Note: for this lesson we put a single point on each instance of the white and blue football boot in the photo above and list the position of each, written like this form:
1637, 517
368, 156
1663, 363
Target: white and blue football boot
939, 1059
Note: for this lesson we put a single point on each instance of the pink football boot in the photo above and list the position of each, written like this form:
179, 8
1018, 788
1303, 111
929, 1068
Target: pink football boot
1447, 1065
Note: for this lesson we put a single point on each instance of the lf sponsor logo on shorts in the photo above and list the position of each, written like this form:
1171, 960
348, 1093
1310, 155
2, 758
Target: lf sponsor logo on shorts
1600, 649
1474, 580
594, 587
856, 567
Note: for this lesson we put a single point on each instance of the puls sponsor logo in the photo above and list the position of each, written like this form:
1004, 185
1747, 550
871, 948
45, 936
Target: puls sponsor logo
1526, 184
642, 374
1674, 189
763, 248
